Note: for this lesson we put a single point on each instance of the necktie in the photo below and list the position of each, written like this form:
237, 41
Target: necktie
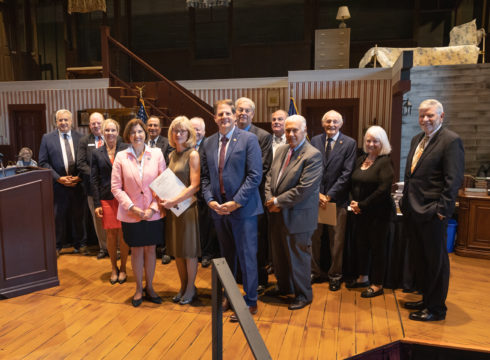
69, 155
99, 142
329, 148
221, 163
418, 152
286, 163
152, 143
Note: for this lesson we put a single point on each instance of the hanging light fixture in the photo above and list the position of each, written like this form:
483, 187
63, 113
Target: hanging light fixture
207, 3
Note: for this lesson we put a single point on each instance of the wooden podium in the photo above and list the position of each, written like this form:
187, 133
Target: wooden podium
27, 232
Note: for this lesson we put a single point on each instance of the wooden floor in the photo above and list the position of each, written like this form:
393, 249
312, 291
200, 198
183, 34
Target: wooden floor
87, 318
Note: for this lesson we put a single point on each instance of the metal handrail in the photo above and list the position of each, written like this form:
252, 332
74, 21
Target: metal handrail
222, 277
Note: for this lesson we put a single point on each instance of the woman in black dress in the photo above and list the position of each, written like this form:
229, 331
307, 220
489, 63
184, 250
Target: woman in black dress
373, 206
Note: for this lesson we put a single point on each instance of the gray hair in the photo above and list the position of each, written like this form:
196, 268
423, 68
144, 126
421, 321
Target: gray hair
200, 119
245, 99
426, 104
335, 113
297, 117
379, 134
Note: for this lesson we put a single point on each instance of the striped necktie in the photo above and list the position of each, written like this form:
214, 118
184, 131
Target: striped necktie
418, 153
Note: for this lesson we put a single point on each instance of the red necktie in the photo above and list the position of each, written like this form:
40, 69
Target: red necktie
286, 163
99, 142
221, 163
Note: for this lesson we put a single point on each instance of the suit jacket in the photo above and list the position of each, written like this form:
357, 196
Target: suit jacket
338, 168
127, 186
433, 186
242, 173
84, 157
100, 174
51, 155
298, 188
163, 144
265, 142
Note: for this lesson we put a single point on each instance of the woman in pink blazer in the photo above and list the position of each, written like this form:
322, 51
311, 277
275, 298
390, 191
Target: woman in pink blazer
133, 171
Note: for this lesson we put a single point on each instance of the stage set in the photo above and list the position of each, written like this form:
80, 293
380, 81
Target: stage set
86, 317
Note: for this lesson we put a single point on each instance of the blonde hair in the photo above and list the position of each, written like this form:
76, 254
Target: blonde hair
182, 122
379, 134
111, 121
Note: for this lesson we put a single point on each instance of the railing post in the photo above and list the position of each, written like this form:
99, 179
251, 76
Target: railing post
217, 321
105, 31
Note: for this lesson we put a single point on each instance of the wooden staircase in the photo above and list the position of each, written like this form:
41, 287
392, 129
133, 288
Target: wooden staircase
163, 97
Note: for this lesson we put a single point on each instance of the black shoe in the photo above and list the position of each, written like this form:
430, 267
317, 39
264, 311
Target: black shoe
185, 301
276, 292
334, 284
123, 280
166, 259
155, 299
426, 315
205, 262
260, 289
102, 254
298, 304
354, 284
369, 292
414, 305
177, 298
137, 303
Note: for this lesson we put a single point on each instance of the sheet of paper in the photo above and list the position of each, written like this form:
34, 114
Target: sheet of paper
328, 215
167, 186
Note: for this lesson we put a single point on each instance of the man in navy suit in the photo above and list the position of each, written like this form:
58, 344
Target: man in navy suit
58, 152
433, 175
339, 156
231, 175
245, 112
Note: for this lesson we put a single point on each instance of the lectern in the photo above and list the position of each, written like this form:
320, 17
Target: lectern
27, 232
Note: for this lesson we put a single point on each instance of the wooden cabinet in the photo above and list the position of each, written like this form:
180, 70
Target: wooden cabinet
332, 48
473, 226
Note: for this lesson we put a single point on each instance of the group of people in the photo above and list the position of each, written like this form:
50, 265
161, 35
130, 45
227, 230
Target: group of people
262, 193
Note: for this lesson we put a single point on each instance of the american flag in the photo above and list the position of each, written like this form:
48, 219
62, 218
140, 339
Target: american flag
142, 114
293, 110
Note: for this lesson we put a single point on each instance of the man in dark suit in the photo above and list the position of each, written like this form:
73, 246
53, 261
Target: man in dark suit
58, 153
87, 145
339, 156
155, 139
245, 112
232, 172
291, 192
277, 126
207, 234
433, 174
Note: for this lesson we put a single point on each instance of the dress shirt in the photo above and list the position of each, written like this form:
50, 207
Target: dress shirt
276, 142
227, 144
332, 143
63, 150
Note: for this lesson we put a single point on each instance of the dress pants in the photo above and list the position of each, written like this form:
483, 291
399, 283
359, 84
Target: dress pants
99, 229
431, 260
336, 240
68, 214
238, 241
291, 257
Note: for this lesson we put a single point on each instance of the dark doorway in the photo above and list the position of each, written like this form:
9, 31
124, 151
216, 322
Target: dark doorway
27, 125
313, 111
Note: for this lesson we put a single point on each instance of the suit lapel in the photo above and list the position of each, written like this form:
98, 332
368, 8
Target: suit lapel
134, 168
106, 156
281, 154
295, 159
336, 149
427, 150
231, 146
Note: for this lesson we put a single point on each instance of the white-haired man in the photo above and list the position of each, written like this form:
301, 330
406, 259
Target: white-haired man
291, 193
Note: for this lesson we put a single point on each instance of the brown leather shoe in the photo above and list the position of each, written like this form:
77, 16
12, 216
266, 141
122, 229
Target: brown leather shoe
253, 310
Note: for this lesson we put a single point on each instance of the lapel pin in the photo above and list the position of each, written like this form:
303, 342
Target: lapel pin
234, 139
340, 142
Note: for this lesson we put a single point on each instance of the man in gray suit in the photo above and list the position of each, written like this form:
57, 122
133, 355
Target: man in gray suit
291, 192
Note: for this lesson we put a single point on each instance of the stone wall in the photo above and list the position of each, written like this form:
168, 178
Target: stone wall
464, 91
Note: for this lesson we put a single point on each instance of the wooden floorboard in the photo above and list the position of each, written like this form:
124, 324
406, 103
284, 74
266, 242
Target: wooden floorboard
87, 318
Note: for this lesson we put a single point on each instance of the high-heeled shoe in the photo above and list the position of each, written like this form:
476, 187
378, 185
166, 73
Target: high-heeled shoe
114, 280
123, 280
177, 298
185, 301
136, 303
154, 299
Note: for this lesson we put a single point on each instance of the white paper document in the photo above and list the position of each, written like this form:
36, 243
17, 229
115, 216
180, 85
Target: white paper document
167, 186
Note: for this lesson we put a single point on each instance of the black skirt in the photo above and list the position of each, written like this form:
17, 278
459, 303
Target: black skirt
143, 233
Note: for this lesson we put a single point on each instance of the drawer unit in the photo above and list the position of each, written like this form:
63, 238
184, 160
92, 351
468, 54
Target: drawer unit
332, 48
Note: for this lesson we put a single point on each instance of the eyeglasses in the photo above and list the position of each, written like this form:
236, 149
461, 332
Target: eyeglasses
179, 131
